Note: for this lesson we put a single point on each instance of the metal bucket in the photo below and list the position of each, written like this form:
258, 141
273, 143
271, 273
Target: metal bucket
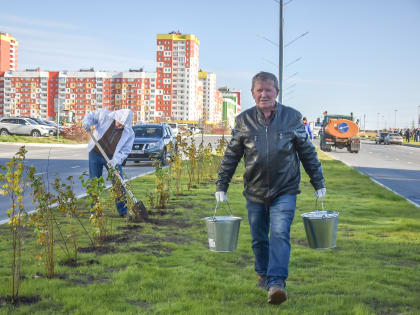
321, 228
223, 232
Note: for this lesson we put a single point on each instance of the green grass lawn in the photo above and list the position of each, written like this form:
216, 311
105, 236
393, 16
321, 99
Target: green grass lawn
24, 139
412, 142
165, 267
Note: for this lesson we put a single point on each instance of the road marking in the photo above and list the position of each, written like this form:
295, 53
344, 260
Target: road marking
75, 166
410, 162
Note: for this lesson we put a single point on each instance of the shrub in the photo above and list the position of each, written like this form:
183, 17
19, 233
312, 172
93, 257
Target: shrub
76, 132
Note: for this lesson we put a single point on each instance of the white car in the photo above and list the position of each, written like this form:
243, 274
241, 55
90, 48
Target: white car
395, 138
175, 129
22, 126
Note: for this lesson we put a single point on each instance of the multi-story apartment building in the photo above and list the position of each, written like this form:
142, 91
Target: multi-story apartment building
231, 103
8, 53
212, 104
89, 90
177, 91
1, 93
25, 93
177, 69
71, 94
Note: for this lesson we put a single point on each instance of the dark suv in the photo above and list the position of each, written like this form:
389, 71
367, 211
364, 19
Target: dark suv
381, 137
151, 142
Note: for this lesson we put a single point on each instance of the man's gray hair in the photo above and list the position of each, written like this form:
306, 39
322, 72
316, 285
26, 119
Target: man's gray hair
265, 76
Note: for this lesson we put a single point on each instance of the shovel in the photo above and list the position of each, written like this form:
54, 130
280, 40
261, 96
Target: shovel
139, 210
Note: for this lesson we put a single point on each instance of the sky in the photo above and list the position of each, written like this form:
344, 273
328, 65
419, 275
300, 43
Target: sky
360, 56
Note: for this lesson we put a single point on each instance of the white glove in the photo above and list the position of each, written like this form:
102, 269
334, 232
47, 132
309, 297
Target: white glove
320, 193
85, 126
220, 196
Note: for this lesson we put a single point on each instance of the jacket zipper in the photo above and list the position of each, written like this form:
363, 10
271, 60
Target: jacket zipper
268, 173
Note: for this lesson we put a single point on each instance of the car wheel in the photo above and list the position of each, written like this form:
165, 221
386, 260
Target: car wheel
163, 157
4, 133
35, 133
123, 163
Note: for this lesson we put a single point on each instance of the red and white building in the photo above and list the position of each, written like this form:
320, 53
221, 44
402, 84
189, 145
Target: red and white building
43, 94
88, 90
8, 53
177, 94
177, 91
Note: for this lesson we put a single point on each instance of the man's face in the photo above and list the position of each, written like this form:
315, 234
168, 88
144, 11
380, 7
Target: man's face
118, 125
264, 93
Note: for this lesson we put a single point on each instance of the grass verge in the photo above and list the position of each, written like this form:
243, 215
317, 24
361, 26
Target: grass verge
164, 266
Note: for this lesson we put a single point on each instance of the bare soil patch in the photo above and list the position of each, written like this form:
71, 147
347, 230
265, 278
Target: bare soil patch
20, 300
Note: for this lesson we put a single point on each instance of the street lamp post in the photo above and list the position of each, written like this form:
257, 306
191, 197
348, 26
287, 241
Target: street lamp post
377, 122
280, 51
418, 116
395, 126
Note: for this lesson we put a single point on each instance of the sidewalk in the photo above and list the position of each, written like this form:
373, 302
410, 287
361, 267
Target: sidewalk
48, 145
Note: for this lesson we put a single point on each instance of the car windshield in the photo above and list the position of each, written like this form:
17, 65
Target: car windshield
394, 135
172, 125
33, 122
148, 132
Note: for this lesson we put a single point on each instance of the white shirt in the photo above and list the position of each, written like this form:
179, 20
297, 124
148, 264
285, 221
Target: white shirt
102, 119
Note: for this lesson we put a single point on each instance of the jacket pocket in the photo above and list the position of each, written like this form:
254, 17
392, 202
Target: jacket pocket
284, 142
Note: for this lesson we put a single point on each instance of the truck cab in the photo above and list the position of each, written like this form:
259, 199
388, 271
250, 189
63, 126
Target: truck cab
340, 131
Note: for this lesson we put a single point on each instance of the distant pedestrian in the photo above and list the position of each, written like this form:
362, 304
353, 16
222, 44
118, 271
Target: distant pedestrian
407, 135
417, 134
308, 128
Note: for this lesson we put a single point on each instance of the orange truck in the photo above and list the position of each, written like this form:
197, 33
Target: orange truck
341, 132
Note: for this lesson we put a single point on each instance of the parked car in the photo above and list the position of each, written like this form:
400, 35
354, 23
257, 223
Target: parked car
151, 142
54, 125
395, 138
52, 130
22, 126
380, 138
175, 129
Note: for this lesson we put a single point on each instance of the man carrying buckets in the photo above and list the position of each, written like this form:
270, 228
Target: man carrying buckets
272, 139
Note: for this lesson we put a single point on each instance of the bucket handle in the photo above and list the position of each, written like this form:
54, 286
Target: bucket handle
316, 204
215, 209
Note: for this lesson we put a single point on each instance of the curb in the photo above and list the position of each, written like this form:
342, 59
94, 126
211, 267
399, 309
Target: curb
85, 194
411, 145
55, 145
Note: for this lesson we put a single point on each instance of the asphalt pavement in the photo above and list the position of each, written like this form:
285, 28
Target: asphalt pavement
57, 160
395, 167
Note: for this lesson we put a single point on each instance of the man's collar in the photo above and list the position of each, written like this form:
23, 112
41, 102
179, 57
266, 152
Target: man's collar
261, 116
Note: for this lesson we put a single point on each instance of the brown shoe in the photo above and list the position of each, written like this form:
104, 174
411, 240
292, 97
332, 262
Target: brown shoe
277, 294
262, 282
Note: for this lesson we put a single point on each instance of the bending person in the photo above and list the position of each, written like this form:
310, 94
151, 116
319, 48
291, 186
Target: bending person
116, 136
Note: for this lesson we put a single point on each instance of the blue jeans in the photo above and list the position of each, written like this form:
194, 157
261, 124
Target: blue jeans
270, 233
96, 165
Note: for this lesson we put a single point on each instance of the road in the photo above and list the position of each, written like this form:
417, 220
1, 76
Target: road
57, 161
65, 161
394, 166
